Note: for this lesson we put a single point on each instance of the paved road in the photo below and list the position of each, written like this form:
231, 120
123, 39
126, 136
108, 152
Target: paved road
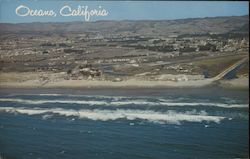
229, 69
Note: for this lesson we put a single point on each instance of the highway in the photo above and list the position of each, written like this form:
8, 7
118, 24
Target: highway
229, 69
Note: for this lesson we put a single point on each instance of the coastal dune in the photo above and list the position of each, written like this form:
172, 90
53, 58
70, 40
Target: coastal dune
33, 80
132, 83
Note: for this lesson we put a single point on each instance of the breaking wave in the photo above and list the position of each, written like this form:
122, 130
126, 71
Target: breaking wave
170, 117
124, 102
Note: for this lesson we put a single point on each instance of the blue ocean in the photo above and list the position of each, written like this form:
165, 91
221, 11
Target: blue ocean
124, 123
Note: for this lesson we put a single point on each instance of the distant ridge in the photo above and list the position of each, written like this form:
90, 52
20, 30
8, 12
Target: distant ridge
218, 25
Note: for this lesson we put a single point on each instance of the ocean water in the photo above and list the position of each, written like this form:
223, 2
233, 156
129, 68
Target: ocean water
124, 123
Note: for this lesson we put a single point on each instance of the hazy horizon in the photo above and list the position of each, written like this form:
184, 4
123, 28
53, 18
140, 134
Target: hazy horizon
123, 20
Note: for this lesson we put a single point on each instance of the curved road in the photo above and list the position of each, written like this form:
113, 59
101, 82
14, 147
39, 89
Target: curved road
229, 69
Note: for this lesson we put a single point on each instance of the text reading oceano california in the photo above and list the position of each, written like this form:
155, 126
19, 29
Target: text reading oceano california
65, 11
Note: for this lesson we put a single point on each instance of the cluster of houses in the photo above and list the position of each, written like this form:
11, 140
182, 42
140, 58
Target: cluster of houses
191, 44
84, 72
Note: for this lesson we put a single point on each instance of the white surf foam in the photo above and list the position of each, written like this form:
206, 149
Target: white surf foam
123, 102
47, 116
113, 98
171, 117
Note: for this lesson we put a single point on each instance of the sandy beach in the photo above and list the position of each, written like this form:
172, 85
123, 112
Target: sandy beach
241, 83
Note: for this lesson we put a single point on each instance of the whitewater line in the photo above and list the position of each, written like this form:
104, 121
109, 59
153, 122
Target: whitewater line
122, 103
170, 117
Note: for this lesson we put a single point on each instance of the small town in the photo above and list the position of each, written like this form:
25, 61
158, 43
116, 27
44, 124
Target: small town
122, 55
